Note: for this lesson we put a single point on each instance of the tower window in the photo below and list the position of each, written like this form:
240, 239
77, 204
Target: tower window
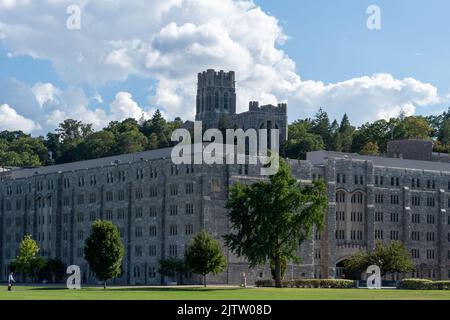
216, 100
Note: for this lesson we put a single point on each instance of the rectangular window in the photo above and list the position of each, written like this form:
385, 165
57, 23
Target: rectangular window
152, 250
379, 234
189, 188
415, 218
173, 230
189, 208
152, 212
379, 216
138, 232
394, 216
109, 196
153, 192
173, 250
120, 214
173, 210
138, 212
138, 251
415, 236
189, 230
109, 214
152, 231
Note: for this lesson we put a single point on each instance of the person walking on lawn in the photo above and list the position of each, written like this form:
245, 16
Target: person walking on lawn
10, 281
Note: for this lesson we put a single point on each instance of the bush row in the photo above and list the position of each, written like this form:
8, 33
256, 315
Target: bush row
310, 283
423, 284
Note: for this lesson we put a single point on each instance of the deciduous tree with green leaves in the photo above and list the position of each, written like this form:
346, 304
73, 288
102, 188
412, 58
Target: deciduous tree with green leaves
28, 262
205, 256
104, 251
390, 258
272, 218
174, 268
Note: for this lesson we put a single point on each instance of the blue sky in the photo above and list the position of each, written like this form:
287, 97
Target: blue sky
131, 57
330, 41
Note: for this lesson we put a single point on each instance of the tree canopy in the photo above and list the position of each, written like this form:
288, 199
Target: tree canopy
28, 262
271, 219
74, 140
204, 256
390, 258
104, 251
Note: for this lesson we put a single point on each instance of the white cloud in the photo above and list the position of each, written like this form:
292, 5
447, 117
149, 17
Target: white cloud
45, 93
11, 120
124, 107
170, 41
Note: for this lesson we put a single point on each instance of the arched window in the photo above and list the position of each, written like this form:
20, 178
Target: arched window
340, 197
358, 198
216, 100
225, 101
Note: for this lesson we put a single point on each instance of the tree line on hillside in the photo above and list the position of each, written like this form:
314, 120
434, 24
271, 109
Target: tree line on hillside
371, 138
76, 141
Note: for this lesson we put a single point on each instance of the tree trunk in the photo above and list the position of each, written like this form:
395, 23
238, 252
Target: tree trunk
104, 284
204, 280
278, 272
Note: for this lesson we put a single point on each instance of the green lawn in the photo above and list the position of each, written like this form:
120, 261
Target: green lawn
216, 293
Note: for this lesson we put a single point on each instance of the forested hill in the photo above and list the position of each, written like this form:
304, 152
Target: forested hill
75, 141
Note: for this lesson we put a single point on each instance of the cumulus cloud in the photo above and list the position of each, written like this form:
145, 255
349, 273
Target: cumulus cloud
170, 41
11, 120
45, 93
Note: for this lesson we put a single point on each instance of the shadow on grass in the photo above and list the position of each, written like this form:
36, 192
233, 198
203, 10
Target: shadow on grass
145, 289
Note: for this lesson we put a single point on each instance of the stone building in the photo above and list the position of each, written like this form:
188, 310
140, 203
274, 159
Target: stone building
216, 106
158, 208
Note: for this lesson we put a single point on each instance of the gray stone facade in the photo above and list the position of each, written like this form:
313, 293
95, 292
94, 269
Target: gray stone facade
158, 208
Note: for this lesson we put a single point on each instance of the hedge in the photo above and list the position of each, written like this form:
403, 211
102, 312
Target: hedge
423, 284
310, 283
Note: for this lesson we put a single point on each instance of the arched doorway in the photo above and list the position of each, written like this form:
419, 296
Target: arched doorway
340, 270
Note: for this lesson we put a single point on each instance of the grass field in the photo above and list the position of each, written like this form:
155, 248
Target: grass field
216, 293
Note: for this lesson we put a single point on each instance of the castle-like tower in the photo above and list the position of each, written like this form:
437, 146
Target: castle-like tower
216, 106
216, 97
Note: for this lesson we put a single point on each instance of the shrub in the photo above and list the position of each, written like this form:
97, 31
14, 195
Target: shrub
310, 283
265, 283
443, 285
417, 284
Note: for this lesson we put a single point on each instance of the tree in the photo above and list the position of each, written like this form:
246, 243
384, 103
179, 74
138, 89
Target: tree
370, 149
28, 262
322, 127
391, 258
346, 134
272, 218
273, 268
131, 142
301, 140
104, 251
70, 135
173, 268
205, 256
99, 144
53, 270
